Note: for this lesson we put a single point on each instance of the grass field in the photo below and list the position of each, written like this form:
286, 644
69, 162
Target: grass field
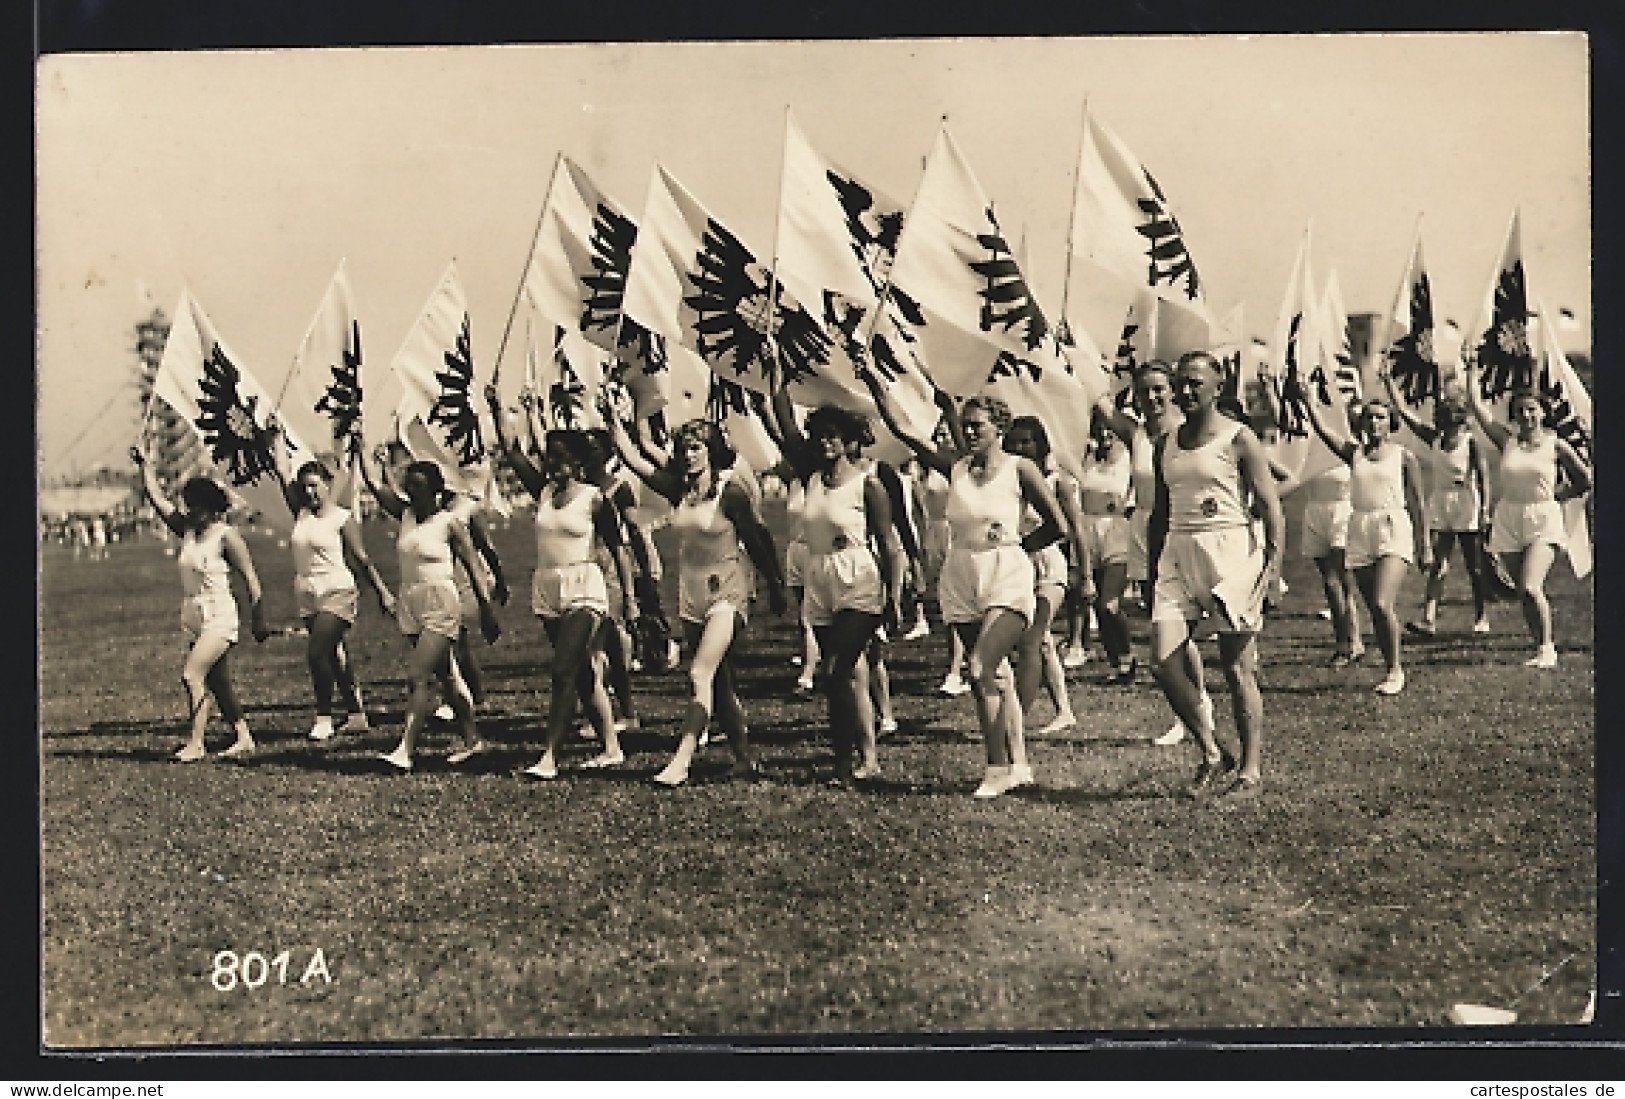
1407, 854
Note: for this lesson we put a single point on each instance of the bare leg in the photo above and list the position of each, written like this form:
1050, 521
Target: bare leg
1531, 573
572, 637
428, 666
1239, 652
207, 651
710, 642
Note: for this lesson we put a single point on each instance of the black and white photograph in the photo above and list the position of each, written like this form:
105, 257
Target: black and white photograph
817, 540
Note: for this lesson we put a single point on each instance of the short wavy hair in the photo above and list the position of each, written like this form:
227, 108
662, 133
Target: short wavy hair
721, 452
997, 411
851, 427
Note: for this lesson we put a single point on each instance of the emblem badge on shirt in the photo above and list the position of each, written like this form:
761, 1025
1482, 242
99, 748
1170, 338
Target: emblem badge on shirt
713, 583
840, 542
1210, 507
995, 532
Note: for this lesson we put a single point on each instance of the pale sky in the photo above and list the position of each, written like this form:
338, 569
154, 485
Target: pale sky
250, 175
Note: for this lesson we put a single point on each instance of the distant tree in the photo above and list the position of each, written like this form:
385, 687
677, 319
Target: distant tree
175, 445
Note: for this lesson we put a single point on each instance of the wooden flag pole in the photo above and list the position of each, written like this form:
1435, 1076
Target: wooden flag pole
1072, 214
524, 274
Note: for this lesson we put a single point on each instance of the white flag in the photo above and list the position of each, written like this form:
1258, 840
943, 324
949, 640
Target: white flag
1302, 375
321, 396
208, 386
1570, 412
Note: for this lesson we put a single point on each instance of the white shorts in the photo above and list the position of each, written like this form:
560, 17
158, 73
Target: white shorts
1049, 567
1518, 526
1454, 509
1210, 572
1139, 544
430, 606
1374, 535
555, 589
704, 590
846, 580
336, 595
203, 614
1109, 540
1325, 527
795, 564
974, 582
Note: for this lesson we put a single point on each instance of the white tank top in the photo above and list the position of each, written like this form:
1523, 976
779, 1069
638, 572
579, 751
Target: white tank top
1378, 484
934, 490
1204, 485
564, 533
707, 535
1331, 486
985, 515
1529, 473
1142, 468
202, 560
1109, 482
835, 517
318, 545
1452, 468
425, 548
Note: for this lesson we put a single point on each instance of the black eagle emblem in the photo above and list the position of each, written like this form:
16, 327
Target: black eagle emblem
640, 347
734, 317
1290, 395
872, 232
453, 409
724, 397
612, 238
342, 401
1505, 361
567, 397
1006, 300
226, 422
1009, 366
1410, 358
1170, 261
1127, 359
1561, 414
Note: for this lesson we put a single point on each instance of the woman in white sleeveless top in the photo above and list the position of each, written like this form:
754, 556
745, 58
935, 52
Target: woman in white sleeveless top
430, 545
1056, 568
324, 539
1458, 503
721, 535
1388, 524
1538, 473
848, 589
1205, 562
568, 592
986, 588
1153, 397
211, 550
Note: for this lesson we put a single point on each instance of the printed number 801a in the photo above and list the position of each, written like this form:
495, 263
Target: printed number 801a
252, 970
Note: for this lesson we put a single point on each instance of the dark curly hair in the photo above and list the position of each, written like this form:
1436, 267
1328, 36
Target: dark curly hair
316, 467
1524, 393
430, 472
1034, 427
850, 427
200, 494
577, 447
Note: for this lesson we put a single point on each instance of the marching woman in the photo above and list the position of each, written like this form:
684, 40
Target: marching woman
568, 592
1205, 560
1153, 395
1107, 537
713, 515
211, 549
795, 543
324, 535
1539, 471
986, 586
848, 591
1055, 569
1458, 503
431, 544
1388, 525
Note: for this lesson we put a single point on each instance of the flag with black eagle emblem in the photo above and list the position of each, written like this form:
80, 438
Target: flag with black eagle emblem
321, 396
1302, 376
1568, 406
982, 330
208, 386
1499, 341
1124, 238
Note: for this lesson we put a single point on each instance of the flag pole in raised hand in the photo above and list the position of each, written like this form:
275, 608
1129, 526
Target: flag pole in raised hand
886, 294
524, 274
773, 268
1072, 214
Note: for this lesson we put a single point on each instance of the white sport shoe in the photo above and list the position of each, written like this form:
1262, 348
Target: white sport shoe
323, 729
887, 726
1174, 735
1075, 658
444, 712
1392, 683
397, 759
921, 628
954, 685
1481, 626
356, 723
1545, 657
995, 781
1021, 774
1324, 614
